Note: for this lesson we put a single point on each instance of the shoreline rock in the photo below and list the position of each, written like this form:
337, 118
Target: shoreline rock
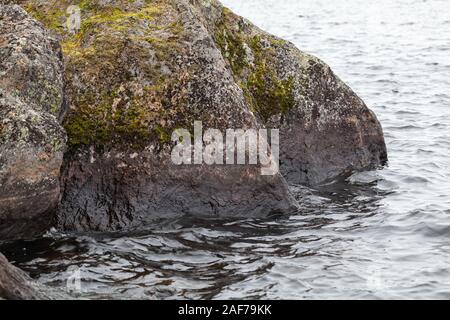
135, 71
326, 129
121, 191
32, 141
16, 285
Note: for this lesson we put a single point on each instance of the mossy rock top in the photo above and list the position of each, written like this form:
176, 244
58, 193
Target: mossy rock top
126, 82
119, 64
137, 70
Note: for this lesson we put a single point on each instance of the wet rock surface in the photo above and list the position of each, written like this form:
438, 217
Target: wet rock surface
132, 73
15, 284
118, 191
135, 71
32, 141
326, 129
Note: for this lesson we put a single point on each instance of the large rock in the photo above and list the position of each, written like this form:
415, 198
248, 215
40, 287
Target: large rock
16, 285
326, 129
32, 141
137, 70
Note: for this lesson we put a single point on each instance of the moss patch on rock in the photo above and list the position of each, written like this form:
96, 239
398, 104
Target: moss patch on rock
51, 16
253, 63
271, 95
118, 67
231, 43
124, 88
2, 131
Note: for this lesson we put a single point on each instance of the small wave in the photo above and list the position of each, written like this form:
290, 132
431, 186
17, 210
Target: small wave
407, 112
409, 127
424, 151
415, 180
364, 178
433, 230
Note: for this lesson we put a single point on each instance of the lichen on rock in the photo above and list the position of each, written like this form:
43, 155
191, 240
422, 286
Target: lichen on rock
116, 67
252, 58
326, 129
32, 139
137, 70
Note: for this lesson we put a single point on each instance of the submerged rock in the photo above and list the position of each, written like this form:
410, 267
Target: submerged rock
137, 70
32, 141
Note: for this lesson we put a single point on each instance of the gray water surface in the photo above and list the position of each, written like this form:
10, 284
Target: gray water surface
383, 234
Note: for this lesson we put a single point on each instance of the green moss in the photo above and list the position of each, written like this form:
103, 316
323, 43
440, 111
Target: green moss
163, 134
109, 120
266, 93
118, 19
278, 42
52, 17
88, 5
231, 44
111, 109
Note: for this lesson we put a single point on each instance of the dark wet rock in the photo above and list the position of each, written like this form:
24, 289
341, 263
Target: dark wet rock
16, 285
326, 129
118, 190
135, 71
32, 141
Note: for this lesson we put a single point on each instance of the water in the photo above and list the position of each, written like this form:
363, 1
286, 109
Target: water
383, 234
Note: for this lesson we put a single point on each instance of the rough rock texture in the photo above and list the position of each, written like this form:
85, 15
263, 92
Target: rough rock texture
32, 141
118, 191
326, 129
16, 285
137, 70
